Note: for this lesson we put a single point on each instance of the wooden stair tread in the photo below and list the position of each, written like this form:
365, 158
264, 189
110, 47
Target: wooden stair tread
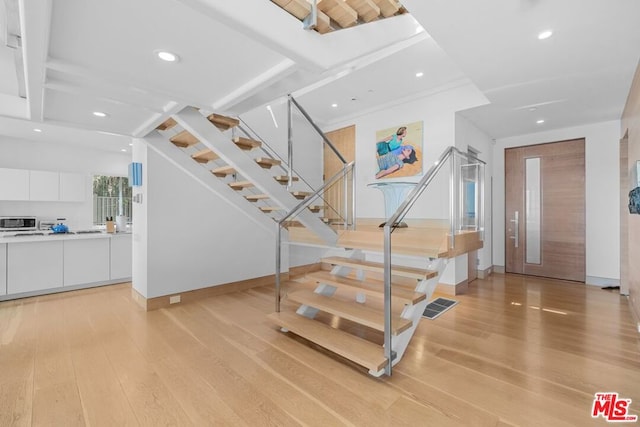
356, 349
396, 270
256, 197
184, 139
367, 10
339, 11
430, 242
283, 179
239, 185
371, 287
223, 171
270, 208
223, 122
316, 208
204, 156
388, 7
350, 310
267, 162
167, 124
246, 143
300, 194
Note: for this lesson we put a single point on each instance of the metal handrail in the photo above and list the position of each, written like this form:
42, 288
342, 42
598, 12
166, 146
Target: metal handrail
389, 225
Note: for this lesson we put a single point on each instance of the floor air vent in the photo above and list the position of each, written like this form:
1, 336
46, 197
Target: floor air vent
438, 306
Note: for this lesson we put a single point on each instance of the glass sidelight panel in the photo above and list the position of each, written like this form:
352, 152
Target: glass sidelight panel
532, 210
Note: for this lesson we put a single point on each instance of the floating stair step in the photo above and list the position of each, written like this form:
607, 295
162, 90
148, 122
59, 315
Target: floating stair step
184, 139
283, 179
256, 197
377, 267
239, 185
358, 350
367, 9
298, 8
339, 11
167, 124
300, 194
223, 171
223, 122
267, 162
387, 7
369, 287
246, 143
288, 224
204, 156
316, 208
350, 310
268, 209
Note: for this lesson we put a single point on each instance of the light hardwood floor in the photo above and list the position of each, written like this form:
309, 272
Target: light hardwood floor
514, 351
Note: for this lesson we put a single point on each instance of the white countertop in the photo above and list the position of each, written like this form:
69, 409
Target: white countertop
51, 237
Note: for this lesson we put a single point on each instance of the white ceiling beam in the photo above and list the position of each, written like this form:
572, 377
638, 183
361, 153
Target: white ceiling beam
35, 22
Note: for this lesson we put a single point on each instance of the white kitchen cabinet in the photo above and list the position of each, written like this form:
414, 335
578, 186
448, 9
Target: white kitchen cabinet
121, 255
14, 184
86, 261
3, 269
34, 266
72, 187
44, 186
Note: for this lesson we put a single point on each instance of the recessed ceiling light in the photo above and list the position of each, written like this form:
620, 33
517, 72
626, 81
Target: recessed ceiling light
99, 114
131, 144
541, 121
334, 105
545, 34
123, 150
419, 74
37, 130
167, 56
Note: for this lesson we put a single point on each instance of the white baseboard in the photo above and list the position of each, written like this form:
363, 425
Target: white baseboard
601, 281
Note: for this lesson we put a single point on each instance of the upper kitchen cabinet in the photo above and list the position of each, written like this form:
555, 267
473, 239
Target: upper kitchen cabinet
14, 184
72, 187
44, 186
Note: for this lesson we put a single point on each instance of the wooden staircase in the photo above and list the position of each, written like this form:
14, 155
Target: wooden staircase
344, 312
229, 158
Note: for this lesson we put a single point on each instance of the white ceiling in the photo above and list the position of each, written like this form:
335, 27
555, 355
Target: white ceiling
81, 56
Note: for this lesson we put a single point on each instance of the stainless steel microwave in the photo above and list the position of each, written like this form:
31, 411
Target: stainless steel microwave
16, 223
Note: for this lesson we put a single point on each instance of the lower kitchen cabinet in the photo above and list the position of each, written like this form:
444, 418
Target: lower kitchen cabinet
34, 266
121, 253
86, 261
3, 269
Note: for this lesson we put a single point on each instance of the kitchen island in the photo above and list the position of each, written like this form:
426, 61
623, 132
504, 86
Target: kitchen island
40, 264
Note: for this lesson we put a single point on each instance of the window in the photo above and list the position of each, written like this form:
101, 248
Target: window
111, 197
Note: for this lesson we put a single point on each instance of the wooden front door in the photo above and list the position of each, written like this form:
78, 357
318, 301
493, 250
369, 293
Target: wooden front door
344, 140
545, 210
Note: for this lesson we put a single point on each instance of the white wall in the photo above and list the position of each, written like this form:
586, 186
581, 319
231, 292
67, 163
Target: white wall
194, 239
602, 195
24, 154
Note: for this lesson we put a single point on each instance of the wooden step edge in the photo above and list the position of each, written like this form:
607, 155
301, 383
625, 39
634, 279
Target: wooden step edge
267, 162
300, 194
256, 197
270, 208
184, 139
351, 347
223, 171
204, 156
283, 179
397, 270
396, 249
239, 185
246, 143
223, 122
350, 310
371, 287
167, 124
316, 208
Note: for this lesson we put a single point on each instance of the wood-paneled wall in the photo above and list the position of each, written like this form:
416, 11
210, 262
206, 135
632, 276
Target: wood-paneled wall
631, 124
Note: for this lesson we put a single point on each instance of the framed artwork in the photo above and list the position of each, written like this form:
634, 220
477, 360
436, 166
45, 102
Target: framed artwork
399, 151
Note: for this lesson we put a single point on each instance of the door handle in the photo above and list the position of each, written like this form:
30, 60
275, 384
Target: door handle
516, 235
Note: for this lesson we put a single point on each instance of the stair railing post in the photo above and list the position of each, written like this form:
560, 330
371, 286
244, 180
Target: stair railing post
290, 143
353, 197
453, 197
387, 298
278, 265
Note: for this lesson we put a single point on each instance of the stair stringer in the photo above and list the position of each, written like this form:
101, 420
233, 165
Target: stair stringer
161, 145
400, 342
211, 137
